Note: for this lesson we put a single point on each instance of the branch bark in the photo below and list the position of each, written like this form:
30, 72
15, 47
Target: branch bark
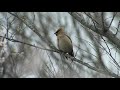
100, 31
72, 58
93, 68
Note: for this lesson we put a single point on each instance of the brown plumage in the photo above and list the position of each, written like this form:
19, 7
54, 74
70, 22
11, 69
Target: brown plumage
64, 42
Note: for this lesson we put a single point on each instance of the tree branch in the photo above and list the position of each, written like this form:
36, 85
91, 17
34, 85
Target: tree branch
29, 25
100, 31
13, 40
112, 19
93, 68
72, 58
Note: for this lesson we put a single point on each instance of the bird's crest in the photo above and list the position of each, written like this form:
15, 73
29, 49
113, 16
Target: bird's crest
60, 30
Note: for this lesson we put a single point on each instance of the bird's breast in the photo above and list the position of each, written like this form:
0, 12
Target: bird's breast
65, 44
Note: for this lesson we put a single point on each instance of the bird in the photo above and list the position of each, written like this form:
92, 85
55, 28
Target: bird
64, 42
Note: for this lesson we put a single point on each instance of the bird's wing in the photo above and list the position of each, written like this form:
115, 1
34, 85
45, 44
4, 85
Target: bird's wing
72, 53
69, 38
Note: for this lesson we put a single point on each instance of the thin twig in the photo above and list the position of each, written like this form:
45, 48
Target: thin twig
110, 53
112, 20
93, 68
72, 58
91, 18
103, 23
13, 40
117, 28
116, 32
29, 25
51, 63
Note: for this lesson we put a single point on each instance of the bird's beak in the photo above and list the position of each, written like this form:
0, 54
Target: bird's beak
55, 33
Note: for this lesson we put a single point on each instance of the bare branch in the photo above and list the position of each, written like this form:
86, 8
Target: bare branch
93, 68
108, 34
117, 28
72, 58
92, 18
112, 19
13, 40
110, 53
103, 23
51, 63
28, 24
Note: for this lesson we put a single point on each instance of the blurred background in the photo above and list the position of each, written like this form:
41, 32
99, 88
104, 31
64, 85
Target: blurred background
26, 36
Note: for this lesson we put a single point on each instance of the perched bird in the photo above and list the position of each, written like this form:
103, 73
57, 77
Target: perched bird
64, 42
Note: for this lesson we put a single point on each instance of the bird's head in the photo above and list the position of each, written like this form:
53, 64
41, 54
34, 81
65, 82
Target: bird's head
59, 31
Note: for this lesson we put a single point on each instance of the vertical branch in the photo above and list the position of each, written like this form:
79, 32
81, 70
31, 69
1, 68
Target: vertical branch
51, 63
103, 23
117, 28
109, 52
112, 19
